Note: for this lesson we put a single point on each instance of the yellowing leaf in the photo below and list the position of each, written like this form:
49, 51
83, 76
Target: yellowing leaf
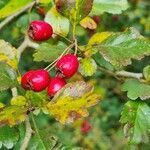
72, 104
8, 54
99, 37
59, 23
45, 1
1, 105
87, 66
12, 115
89, 23
19, 101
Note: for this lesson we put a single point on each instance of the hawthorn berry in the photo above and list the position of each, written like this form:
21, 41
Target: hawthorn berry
68, 65
36, 80
55, 85
40, 30
85, 127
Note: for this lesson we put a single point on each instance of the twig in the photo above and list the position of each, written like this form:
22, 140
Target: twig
8, 19
26, 43
28, 135
76, 47
14, 91
54, 62
124, 73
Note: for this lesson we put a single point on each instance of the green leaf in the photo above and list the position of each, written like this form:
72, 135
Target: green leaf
37, 99
135, 89
48, 52
146, 73
74, 9
59, 23
87, 66
120, 48
8, 54
110, 6
7, 77
12, 115
136, 117
8, 137
12, 6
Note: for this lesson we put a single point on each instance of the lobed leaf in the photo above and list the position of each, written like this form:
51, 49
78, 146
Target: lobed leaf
135, 89
135, 116
120, 48
47, 52
72, 102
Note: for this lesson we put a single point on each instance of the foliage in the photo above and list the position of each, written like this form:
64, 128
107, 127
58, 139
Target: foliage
107, 37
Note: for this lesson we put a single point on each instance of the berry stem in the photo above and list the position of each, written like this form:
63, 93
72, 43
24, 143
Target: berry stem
63, 37
76, 47
52, 65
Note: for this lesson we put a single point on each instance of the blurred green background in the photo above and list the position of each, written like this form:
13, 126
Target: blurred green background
101, 130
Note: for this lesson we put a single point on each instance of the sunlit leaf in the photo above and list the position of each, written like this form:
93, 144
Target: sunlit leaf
110, 6
87, 66
89, 23
136, 118
59, 23
19, 101
72, 102
120, 48
136, 89
8, 54
12, 115
13, 6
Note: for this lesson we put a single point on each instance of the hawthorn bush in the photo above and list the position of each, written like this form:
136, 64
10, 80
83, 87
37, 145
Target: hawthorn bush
74, 74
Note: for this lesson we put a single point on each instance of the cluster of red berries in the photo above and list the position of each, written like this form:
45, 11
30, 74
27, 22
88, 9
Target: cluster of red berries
39, 80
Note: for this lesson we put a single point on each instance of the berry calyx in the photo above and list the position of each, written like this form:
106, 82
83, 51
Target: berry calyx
40, 30
68, 65
36, 80
25, 80
55, 85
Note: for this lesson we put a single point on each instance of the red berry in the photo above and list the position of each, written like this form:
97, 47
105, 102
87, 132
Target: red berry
55, 85
25, 80
36, 80
40, 30
68, 65
97, 19
85, 127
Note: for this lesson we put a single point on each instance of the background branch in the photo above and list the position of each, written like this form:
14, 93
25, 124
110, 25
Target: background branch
28, 135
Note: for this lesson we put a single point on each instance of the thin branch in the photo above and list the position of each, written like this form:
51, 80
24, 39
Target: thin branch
54, 62
26, 43
14, 91
76, 47
8, 19
28, 135
124, 73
